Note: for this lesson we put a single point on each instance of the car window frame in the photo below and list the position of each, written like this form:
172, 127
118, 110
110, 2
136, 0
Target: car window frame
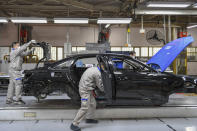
82, 57
54, 65
134, 60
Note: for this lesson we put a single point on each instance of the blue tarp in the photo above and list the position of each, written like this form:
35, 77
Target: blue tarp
166, 55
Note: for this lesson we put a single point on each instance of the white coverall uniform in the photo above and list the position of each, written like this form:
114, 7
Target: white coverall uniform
90, 79
15, 67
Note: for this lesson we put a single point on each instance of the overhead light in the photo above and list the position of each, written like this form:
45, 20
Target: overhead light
71, 20
195, 5
166, 12
114, 20
3, 20
28, 20
168, 4
107, 25
192, 26
163, 13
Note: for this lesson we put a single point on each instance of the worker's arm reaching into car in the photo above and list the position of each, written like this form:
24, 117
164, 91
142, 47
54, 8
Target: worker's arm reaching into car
23, 48
90, 80
99, 82
15, 68
25, 53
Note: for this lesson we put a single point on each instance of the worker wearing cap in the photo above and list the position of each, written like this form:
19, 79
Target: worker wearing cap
131, 54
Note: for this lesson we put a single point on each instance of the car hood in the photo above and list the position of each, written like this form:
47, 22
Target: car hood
165, 56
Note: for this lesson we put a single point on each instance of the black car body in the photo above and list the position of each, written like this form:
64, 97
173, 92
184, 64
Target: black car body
133, 84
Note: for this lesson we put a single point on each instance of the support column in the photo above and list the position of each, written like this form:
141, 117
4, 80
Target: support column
174, 33
128, 35
164, 28
67, 46
169, 29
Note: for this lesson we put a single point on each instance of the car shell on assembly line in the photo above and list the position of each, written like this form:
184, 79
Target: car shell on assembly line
126, 81
138, 84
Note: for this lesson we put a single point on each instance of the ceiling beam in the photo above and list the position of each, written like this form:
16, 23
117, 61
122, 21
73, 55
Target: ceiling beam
41, 3
46, 7
5, 13
30, 13
89, 7
32, 7
107, 2
22, 1
11, 1
77, 4
107, 8
125, 5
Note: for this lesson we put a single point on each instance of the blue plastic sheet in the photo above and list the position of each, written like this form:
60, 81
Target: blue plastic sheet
166, 55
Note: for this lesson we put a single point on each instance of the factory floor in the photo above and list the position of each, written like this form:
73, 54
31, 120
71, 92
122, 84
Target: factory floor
137, 124
159, 124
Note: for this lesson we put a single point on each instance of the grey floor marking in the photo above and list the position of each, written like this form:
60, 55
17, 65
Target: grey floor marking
186, 118
37, 121
11, 122
166, 124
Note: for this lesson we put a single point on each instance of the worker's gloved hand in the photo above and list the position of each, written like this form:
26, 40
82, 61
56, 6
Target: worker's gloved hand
22, 71
33, 41
99, 92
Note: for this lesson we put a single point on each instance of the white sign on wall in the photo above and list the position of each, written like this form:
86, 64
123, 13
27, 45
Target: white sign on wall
4, 51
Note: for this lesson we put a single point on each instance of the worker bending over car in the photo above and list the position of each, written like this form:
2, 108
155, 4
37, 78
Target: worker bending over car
15, 68
90, 80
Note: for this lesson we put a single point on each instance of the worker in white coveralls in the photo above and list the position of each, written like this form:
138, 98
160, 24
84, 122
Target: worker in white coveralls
90, 80
126, 65
15, 68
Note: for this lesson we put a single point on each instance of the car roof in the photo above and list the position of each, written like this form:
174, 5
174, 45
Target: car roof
94, 54
91, 55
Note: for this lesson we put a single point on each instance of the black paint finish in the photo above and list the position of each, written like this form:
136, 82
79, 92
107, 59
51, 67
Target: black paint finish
137, 85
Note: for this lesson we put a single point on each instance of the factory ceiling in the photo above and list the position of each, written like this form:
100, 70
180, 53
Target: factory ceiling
91, 9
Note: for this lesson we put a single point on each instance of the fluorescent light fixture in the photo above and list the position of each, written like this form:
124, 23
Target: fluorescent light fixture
28, 20
161, 4
114, 20
166, 12
3, 20
195, 5
71, 20
169, 5
192, 26
163, 13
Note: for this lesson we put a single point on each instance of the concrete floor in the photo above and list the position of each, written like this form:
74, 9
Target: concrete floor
160, 124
